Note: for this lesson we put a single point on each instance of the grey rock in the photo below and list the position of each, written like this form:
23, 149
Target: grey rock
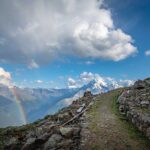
29, 144
140, 84
135, 104
12, 141
52, 141
66, 131
148, 132
39, 131
87, 94
65, 144
43, 137
63, 117
30, 134
144, 104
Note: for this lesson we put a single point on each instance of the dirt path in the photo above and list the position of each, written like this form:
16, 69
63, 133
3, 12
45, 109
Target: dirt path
107, 131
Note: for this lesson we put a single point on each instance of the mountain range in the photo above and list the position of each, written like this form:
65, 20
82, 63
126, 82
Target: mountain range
35, 103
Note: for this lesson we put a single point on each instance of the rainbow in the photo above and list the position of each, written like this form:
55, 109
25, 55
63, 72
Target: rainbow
19, 105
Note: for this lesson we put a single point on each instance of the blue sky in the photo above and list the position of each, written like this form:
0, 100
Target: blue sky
31, 64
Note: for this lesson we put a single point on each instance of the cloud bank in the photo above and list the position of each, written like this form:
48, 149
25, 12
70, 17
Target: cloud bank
5, 78
86, 77
39, 81
37, 32
147, 53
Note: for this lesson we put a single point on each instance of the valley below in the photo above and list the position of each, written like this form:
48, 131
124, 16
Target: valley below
92, 122
20, 106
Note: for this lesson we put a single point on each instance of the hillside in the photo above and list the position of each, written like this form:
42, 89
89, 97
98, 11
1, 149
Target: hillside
108, 130
92, 122
35, 103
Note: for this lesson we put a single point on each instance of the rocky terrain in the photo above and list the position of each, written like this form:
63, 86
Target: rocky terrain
38, 102
89, 123
59, 131
135, 104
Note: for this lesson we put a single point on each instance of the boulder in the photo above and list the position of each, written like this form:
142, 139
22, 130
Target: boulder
43, 137
87, 94
52, 141
121, 108
66, 144
30, 134
135, 104
147, 80
66, 132
148, 132
145, 104
69, 132
63, 117
11, 143
140, 84
76, 131
39, 131
29, 144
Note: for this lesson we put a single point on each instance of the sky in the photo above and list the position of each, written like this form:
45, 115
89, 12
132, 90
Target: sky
46, 43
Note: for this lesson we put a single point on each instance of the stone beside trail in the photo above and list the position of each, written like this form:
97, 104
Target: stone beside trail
106, 131
95, 126
135, 104
57, 131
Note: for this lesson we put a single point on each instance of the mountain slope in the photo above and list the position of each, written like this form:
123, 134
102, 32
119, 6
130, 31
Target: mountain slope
105, 130
95, 127
36, 103
9, 115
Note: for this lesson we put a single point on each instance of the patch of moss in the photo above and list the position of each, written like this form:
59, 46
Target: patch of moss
133, 131
147, 80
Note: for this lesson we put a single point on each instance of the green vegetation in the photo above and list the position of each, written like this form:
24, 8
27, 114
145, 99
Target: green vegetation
133, 131
109, 129
147, 80
14, 131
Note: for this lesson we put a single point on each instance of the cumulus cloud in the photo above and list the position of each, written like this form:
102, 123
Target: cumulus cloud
33, 64
5, 77
100, 81
84, 78
37, 32
147, 53
72, 83
39, 81
126, 82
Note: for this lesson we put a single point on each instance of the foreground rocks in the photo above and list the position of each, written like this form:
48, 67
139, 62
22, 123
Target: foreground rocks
52, 132
135, 104
69, 129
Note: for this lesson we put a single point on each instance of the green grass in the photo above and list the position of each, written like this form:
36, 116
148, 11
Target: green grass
133, 131
93, 114
132, 134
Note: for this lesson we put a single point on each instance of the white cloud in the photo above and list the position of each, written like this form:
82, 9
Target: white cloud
39, 81
147, 53
126, 82
4, 73
84, 78
100, 81
5, 78
33, 64
40, 31
72, 83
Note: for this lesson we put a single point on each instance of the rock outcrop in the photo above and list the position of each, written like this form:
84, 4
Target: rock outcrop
59, 131
67, 129
135, 104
